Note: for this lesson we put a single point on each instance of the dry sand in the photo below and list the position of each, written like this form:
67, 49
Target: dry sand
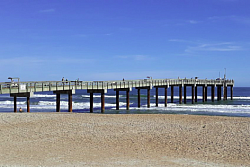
80, 139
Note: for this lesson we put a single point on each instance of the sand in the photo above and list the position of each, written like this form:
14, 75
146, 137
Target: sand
81, 139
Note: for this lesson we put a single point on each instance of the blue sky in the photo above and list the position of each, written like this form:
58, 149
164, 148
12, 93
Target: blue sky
132, 39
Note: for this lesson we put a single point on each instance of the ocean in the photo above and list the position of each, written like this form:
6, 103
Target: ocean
46, 102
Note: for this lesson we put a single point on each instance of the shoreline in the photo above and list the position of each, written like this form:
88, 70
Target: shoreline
83, 139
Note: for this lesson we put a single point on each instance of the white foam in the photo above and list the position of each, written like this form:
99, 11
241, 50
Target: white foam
241, 98
201, 97
8, 102
106, 96
206, 108
52, 105
43, 95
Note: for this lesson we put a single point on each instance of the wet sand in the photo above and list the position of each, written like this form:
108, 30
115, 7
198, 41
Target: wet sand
81, 139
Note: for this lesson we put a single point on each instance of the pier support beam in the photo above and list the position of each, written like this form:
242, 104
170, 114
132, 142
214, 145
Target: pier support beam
28, 103
91, 102
148, 99
156, 96
117, 99
231, 92
15, 108
27, 95
193, 94
58, 94
70, 101
127, 97
166, 96
196, 91
180, 94
139, 98
212, 93
203, 93
58, 102
185, 94
102, 102
172, 94
218, 93
148, 95
225, 93
91, 92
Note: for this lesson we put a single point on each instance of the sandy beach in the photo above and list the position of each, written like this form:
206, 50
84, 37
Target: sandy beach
81, 139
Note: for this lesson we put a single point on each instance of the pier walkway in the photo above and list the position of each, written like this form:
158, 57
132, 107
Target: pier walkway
27, 89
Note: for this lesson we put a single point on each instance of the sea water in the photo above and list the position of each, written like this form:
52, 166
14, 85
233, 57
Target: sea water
46, 102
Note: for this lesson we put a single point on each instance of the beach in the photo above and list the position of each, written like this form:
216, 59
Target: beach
83, 139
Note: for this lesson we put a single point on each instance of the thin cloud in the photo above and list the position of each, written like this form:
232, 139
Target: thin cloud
182, 41
232, 18
47, 11
41, 61
140, 57
193, 21
22, 60
90, 35
135, 57
219, 47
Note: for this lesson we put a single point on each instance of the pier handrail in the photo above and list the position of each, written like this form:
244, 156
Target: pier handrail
39, 86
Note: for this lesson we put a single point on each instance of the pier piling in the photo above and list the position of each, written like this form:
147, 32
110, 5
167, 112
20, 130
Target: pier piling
231, 92
166, 96
196, 92
225, 93
127, 98
91, 103
192, 94
156, 96
172, 94
70, 101
139, 98
185, 94
15, 108
148, 99
28, 104
203, 93
117, 99
180, 94
57, 102
212, 93
102, 102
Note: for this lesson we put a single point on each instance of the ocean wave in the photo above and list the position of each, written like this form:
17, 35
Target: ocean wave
8, 102
199, 108
43, 95
201, 97
241, 98
106, 96
52, 105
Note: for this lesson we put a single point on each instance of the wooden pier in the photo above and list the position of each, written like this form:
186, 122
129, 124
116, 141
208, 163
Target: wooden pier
27, 89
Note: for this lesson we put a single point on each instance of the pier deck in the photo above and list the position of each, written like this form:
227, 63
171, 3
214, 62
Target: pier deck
26, 89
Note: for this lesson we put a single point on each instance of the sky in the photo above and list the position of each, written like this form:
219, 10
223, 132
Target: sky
96, 40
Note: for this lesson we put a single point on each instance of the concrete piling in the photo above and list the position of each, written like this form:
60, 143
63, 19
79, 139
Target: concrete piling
180, 94
185, 94
156, 96
166, 96
172, 94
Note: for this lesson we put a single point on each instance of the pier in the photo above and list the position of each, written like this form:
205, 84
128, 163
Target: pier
27, 89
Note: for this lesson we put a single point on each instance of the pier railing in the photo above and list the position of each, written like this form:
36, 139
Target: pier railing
40, 86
